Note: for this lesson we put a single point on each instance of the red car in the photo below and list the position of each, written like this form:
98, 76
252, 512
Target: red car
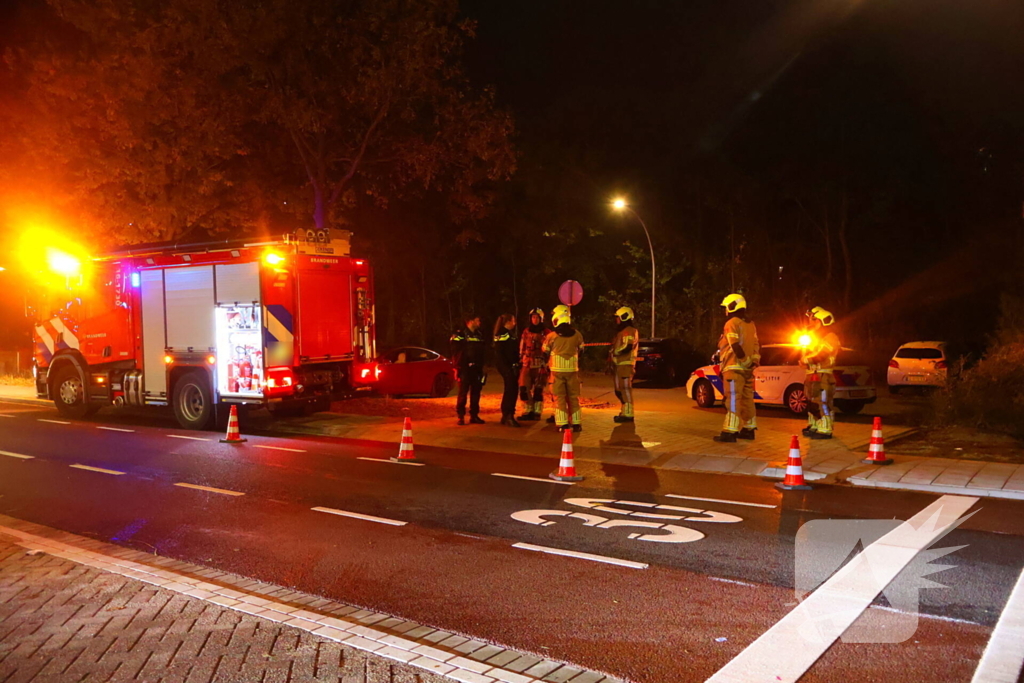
409, 370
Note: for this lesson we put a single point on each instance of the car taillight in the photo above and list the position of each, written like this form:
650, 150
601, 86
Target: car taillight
894, 364
940, 365
652, 355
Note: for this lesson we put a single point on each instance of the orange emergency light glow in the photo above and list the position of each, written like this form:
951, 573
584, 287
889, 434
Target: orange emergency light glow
211, 359
804, 340
62, 263
168, 359
273, 259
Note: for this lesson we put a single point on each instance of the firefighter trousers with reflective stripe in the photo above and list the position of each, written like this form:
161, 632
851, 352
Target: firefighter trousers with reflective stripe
565, 387
820, 389
738, 389
624, 388
531, 388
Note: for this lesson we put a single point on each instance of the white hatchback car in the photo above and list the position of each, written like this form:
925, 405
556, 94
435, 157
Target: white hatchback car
779, 380
918, 364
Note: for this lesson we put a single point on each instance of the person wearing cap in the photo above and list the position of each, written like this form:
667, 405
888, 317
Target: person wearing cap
563, 346
819, 360
533, 369
623, 357
739, 353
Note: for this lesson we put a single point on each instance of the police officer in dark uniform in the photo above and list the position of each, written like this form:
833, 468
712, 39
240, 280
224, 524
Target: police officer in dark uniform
469, 348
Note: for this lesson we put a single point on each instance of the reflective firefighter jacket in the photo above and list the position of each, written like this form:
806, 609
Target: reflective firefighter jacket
624, 346
564, 346
742, 332
531, 347
823, 354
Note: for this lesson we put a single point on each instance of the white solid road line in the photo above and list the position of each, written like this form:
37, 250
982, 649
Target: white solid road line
280, 448
790, 647
720, 500
96, 469
1003, 660
518, 476
53, 422
190, 438
17, 455
582, 556
5, 415
356, 515
210, 489
392, 462
116, 429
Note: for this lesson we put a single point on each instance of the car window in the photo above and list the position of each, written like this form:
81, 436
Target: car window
919, 354
780, 355
420, 355
392, 356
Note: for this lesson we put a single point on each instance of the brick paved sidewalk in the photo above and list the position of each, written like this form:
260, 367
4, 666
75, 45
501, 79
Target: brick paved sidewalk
65, 617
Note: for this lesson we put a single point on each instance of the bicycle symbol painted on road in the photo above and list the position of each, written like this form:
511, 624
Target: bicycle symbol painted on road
658, 532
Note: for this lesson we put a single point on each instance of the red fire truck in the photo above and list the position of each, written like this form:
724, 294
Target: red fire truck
280, 324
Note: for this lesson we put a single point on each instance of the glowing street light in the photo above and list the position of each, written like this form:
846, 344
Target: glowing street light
620, 205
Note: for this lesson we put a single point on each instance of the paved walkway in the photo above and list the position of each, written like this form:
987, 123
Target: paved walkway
73, 609
677, 436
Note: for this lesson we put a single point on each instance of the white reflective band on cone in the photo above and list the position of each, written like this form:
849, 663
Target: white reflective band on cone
794, 469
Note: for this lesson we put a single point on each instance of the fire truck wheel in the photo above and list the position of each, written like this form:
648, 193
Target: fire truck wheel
69, 393
193, 402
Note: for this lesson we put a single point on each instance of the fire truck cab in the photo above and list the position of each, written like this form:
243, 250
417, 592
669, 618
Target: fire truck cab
278, 324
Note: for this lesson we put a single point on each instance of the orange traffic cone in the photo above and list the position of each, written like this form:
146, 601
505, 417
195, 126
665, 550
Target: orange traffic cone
794, 479
567, 464
233, 436
405, 450
876, 451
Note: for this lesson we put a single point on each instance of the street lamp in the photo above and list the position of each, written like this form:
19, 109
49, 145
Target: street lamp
620, 205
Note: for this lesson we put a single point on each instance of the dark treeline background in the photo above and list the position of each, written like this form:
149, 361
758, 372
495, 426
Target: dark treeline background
861, 155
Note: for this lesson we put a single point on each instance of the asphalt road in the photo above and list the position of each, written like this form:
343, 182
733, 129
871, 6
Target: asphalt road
707, 577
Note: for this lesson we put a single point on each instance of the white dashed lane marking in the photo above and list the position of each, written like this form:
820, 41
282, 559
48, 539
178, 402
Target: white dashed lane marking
789, 648
17, 455
280, 448
1003, 660
209, 489
116, 429
357, 515
719, 500
53, 422
392, 462
581, 556
519, 476
190, 438
5, 415
96, 469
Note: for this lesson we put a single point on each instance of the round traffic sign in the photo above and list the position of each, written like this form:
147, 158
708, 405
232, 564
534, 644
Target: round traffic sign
570, 293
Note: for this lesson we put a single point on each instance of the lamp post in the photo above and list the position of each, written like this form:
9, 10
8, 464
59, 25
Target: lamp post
620, 205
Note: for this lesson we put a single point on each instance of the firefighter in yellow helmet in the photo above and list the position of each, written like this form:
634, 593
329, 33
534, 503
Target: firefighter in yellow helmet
623, 357
819, 360
739, 353
563, 346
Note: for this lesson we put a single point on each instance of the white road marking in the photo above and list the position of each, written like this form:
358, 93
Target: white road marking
738, 583
705, 515
190, 438
922, 615
356, 515
790, 647
55, 422
719, 500
116, 429
96, 469
280, 448
1004, 655
392, 462
519, 476
17, 455
209, 489
582, 556
5, 415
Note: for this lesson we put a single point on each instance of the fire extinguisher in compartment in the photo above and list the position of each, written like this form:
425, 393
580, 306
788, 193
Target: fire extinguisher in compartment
232, 376
244, 369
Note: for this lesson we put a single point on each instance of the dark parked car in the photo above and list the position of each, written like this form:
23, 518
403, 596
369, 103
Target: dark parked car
409, 370
666, 361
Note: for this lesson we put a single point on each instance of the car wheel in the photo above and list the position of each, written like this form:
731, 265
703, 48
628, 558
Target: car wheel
442, 386
849, 406
704, 394
796, 400
69, 393
193, 402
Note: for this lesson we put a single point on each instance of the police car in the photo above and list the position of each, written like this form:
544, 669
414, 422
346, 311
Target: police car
779, 380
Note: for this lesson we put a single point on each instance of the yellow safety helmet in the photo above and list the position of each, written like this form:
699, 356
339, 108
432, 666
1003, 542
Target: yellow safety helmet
624, 314
826, 317
560, 314
733, 303
539, 312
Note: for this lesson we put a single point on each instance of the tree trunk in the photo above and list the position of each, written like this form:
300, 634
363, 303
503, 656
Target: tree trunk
319, 207
423, 311
847, 261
